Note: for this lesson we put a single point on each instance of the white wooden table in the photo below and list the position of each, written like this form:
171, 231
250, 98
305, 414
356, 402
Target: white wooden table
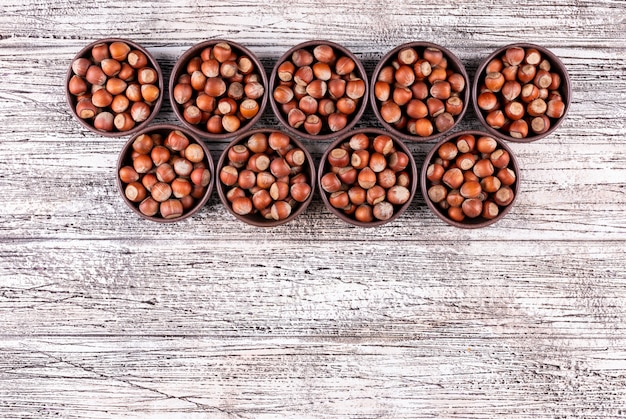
103, 314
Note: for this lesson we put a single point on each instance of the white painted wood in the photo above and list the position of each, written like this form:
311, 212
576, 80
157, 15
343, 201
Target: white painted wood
106, 315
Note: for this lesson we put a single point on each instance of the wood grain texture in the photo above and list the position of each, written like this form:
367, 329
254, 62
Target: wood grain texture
106, 315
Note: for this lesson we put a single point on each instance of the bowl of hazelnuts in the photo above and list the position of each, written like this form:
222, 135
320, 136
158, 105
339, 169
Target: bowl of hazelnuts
419, 91
521, 92
367, 177
218, 89
266, 177
319, 90
470, 179
165, 173
114, 87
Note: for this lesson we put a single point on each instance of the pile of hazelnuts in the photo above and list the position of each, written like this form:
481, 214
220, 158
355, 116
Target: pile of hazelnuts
519, 93
318, 90
114, 86
471, 178
265, 176
366, 177
418, 93
219, 89
167, 174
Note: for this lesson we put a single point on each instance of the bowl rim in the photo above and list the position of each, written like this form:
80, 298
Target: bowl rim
559, 68
123, 157
356, 116
460, 67
254, 220
375, 132
193, 51
479, 221
71, 102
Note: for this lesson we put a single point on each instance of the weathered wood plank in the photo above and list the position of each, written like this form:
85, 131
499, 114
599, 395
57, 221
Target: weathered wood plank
269, 377
343, 288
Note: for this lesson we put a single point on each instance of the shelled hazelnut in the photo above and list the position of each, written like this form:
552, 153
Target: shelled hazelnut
522, 92
419, 90
319, 89
470, 180
218, 88
266, 177
367, 177
114, 87
165, 174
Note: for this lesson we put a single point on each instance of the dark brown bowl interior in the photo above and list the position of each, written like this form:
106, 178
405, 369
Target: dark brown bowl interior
324, 168
256, 219
325, 134
125, 159
181, 67
557, 67
71, 99
469, 223
453, 63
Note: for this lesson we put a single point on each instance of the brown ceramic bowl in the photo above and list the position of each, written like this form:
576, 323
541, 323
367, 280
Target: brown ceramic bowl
120, 104
226, 85
518, 90
185, 173
420, 101
303, 78
358, 175
258, 172
459, 186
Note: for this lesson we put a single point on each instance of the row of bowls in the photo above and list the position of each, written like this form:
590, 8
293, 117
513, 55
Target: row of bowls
313, 176
190, 61
329, 65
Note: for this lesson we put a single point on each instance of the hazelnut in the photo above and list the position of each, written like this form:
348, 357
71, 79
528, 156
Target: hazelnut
200, 176
135, 192
300, 191
364, 213
165, 173
344, 65
472, 207
456, 214
149, 207
261, 199
330, 182
279, 191
398, 195
280, 210
103, 121
383, 211
242, 205
504, 196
